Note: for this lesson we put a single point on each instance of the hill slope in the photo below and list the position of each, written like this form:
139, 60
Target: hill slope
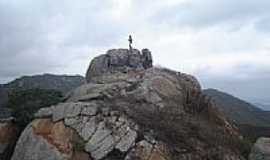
62, 83
3, 95
238, 110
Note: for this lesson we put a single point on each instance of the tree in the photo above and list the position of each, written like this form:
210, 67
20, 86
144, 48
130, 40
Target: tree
24, 103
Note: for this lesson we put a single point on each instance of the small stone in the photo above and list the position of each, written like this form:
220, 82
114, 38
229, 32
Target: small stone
73, 109
105, 147
141, 151
72, 122
64, 110
44, 112
88, 129
105, 111
100, 134
101, 143
90, 110
127, 141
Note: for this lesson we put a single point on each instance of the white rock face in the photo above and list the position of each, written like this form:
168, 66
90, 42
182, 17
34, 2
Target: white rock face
261, 149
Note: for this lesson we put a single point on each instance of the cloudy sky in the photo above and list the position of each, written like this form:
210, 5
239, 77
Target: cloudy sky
225, 43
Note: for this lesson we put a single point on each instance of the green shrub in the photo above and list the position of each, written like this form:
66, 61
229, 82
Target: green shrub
24, 103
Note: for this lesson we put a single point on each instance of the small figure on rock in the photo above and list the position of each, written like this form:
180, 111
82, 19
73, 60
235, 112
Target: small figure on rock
130, 42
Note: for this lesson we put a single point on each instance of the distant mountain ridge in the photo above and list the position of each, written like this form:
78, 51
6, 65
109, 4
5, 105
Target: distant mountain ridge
265, 106
238, 110
62, 83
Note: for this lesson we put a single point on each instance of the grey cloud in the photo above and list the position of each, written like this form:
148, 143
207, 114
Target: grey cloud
263, 24
207, 13
55, 35
41, 36
252, 90
252, 87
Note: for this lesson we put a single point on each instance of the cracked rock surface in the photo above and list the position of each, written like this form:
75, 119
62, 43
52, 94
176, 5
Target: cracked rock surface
130, 110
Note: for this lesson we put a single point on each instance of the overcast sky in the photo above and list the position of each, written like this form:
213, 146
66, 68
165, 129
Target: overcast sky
225, 43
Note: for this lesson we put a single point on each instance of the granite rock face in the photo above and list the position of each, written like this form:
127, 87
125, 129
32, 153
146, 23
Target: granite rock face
44, 139
130, 110
261, 149
119, 60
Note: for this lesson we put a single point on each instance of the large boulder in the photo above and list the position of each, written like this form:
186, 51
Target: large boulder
119, 60
44, 139
129, 110
261, 149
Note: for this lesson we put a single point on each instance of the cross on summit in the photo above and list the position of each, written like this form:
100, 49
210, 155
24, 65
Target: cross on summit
130, 42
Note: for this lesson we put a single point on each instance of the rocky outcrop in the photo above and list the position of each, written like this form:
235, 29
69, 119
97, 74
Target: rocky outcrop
8, 137
119, 60
261, 149
129, 110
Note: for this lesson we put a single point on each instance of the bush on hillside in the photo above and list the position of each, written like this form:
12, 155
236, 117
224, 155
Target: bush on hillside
24, 103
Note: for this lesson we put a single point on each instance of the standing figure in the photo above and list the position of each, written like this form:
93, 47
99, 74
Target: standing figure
130, 42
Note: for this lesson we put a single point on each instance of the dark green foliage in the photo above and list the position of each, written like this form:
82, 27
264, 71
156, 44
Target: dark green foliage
245, 146
61, 83
24, 103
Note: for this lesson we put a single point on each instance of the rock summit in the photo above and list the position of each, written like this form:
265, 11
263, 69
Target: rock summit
119, 60
130, 110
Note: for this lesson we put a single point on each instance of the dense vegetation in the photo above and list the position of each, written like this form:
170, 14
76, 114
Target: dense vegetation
24, 103
62, 83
